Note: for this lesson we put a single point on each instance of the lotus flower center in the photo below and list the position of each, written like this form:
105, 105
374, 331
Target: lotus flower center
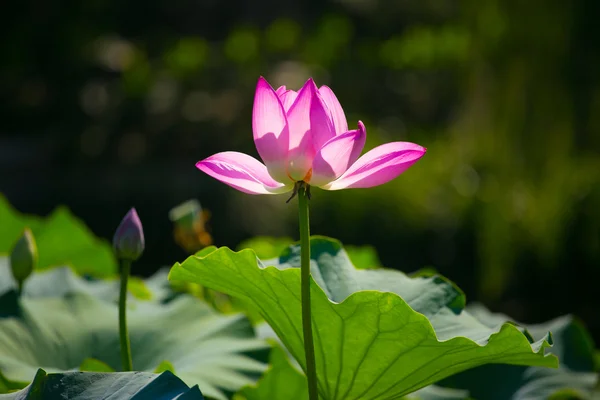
305, 179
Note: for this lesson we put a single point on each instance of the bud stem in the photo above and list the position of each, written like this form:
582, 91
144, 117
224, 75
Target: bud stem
309, 347
123, 333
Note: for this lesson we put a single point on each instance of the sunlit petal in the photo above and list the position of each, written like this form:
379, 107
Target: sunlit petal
335, 108
337, 155
378, 166
242, 172
269, 125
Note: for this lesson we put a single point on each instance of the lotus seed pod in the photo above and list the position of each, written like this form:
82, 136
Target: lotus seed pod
24, 256
128, 241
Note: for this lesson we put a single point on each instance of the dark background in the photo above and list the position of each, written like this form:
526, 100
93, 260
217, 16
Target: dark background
106, 105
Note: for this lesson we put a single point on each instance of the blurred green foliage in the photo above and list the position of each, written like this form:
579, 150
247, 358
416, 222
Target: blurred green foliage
62, 239
106, 107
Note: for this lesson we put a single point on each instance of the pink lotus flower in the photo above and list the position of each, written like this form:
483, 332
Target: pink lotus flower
304, 136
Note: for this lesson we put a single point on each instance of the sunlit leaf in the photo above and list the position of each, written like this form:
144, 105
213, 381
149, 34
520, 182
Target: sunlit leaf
94, 365
281, 381
378, 333
265, 246
363, 257
164, 366
291, 371
137, 287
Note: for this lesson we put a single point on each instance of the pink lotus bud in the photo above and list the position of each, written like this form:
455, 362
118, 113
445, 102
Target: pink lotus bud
128, 241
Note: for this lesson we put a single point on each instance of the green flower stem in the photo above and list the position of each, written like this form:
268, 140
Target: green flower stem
123, 333
309, 347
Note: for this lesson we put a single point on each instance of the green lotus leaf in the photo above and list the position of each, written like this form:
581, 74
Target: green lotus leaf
164, 366
114, 386
93, 365
61, 238
292, 372
572, 345
58, 282
281, 381
285, 381
265, 247
378, 333
61, 281
363, 257
60, 333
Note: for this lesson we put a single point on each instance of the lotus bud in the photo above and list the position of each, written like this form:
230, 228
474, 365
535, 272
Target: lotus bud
128, 241
24, 256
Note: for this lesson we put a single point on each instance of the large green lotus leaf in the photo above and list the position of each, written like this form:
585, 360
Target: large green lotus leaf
378, 333
284, 381
281, 381
57, 282
113, 386
285, 366
572, 345
61, 281
62, 239
60, 333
